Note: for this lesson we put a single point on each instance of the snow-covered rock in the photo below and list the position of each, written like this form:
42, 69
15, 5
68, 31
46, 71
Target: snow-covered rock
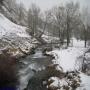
69, 82
49, 38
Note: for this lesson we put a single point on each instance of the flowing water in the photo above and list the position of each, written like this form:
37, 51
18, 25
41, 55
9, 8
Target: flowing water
29, 66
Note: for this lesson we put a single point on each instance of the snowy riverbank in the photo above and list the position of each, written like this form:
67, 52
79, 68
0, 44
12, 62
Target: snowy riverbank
67, 59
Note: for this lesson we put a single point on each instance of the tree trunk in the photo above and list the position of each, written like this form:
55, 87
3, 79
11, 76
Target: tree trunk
85, 43
85, 38
68, 34
59, 38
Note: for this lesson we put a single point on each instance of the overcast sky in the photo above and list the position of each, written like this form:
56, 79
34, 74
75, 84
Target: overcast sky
47, 4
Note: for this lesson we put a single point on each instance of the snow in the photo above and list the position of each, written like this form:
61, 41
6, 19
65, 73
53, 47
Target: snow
7, 27
58, 82
87, 56
49, 38
78, 43
14, 36
67, 57
85, 85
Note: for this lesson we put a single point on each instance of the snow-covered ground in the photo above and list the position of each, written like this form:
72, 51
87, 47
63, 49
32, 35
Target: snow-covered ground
85, 85
67, 59
8, 27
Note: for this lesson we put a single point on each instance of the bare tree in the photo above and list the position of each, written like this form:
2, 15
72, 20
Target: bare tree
9, 9
21, 13
33, 18
57, 20
10, 5
71, 14
86, 24
45, 22
14, 11
60, 21
64, 20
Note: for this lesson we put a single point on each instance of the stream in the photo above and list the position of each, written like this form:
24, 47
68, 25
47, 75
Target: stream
29, 66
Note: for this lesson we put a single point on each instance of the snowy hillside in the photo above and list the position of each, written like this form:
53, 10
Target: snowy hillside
13, 36
7, 27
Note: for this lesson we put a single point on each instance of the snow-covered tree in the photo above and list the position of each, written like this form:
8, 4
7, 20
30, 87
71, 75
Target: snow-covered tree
59, 21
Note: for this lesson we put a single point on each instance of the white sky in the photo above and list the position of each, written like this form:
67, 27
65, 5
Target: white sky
47, 4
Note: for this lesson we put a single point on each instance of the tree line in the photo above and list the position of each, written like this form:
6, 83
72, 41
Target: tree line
63, 21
